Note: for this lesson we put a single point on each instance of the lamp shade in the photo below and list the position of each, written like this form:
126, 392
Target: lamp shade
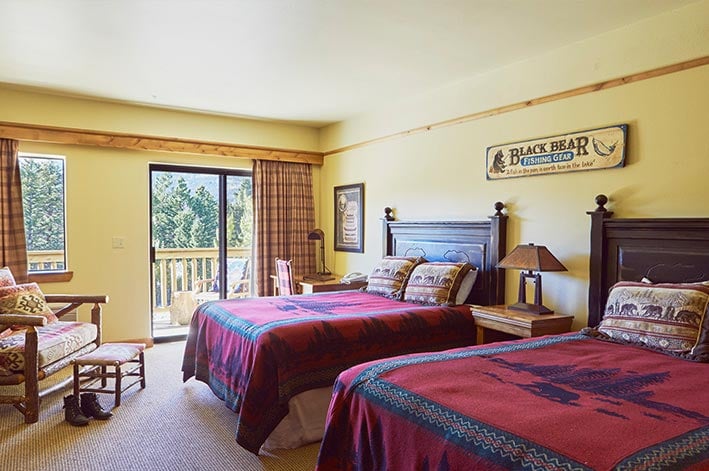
531, 257
316, 234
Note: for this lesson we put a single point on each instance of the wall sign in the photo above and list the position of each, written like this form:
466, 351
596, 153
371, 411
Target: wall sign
585, 150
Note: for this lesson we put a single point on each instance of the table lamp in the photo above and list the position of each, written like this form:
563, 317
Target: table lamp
323, 274
532, 258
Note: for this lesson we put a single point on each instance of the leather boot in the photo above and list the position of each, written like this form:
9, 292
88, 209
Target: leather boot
72, 411
91, 407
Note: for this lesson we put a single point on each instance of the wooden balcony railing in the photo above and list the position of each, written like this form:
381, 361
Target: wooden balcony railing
45, 260
181, 269
174, 269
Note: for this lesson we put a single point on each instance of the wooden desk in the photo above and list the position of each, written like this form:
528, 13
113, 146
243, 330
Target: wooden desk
314, 286
518, 323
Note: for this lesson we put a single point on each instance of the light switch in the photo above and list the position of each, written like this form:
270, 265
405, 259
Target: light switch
118, 242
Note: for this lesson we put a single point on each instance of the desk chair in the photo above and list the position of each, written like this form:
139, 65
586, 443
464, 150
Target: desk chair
284, 276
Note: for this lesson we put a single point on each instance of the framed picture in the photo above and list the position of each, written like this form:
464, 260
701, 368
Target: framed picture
349, 218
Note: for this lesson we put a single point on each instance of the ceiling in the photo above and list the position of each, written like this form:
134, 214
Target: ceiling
311, 62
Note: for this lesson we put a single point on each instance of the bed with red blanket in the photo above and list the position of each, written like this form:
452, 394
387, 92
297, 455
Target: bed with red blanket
600, 399
258, 354
558, 402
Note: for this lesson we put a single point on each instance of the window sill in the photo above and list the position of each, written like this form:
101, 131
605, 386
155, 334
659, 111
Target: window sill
51, 276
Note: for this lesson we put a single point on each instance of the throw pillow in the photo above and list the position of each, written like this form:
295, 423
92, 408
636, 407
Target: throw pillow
670, 317
466, 286
436, 283
390, 275
25, 298
6, 278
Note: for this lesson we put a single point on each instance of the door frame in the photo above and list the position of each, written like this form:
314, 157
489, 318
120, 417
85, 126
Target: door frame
223, 174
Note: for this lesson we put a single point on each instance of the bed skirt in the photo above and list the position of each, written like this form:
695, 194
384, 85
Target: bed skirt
305, 422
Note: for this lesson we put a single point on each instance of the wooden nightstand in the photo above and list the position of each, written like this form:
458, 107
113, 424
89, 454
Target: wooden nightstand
517, 323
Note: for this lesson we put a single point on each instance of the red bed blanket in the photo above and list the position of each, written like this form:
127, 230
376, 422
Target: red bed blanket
256, 354
554, 403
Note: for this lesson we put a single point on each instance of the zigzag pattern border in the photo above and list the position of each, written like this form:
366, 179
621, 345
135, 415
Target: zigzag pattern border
677, 453
481, 439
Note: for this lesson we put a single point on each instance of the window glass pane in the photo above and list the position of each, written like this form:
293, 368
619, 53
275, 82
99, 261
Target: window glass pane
43, 204
239, 230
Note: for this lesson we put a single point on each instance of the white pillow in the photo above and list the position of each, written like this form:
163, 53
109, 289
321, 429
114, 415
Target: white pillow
466, 286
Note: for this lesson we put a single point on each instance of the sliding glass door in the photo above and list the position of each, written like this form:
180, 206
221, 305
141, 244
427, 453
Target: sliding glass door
201, 229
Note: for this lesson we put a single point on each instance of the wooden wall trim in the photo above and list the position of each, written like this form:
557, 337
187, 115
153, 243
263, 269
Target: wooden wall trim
50, 277
637, 77
83, 137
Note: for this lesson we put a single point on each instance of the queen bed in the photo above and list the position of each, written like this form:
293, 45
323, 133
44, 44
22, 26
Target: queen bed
266, 357
631, 391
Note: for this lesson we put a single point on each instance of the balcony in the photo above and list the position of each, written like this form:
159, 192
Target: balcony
182, 278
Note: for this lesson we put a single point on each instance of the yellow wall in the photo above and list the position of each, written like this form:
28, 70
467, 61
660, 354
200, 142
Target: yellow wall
433, 175
108, 191
440, 174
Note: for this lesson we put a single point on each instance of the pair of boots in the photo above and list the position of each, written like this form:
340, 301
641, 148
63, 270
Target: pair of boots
79, 415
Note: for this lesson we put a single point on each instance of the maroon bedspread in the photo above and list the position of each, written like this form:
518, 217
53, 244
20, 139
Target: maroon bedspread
256, 354
564, 402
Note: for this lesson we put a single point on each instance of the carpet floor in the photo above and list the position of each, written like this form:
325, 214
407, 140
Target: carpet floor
170, 425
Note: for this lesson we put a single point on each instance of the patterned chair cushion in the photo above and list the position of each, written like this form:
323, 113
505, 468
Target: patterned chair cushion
390, 275
6, 278
436, 283
55, 341
668, 317
26, 298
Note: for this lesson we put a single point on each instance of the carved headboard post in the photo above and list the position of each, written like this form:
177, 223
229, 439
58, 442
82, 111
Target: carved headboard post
498, 250
386, 234
597, 257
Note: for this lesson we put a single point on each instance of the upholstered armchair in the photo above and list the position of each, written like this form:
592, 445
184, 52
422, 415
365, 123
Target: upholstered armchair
37, 347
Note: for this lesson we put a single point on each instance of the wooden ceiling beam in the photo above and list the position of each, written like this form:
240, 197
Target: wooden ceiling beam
84, 137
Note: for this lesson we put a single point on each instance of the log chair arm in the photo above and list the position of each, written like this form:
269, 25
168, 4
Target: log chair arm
24, 320
73, 301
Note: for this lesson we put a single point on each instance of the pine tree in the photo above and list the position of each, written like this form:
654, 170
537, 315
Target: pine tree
206, 219
240, 216
181, 202
164, 211
43, 202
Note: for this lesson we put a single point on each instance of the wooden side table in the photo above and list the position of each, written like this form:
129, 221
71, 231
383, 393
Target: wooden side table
518, 323
314, 286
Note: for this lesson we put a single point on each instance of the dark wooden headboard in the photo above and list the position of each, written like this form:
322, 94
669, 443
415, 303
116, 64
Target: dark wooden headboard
664, 250
482, 243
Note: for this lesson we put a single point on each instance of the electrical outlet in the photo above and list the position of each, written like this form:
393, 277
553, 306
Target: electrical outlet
118, 242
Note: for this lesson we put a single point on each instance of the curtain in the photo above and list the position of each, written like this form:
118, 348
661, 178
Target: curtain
12, 233
284, 214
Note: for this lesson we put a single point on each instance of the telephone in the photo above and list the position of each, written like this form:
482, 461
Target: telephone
353, 277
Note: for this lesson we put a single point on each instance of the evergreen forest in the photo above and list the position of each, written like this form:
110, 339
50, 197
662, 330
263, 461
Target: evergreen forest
183, 218
43, 202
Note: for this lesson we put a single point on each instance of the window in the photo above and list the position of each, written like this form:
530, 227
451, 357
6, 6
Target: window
43, 186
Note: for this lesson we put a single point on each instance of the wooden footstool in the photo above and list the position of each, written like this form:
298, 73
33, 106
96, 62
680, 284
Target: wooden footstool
96, 366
